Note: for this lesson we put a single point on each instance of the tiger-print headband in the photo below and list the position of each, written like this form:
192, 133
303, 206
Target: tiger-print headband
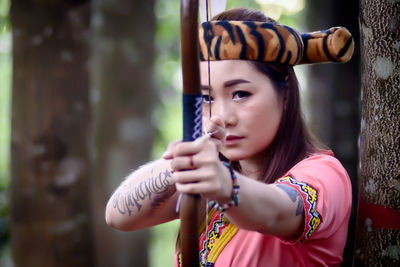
269, 42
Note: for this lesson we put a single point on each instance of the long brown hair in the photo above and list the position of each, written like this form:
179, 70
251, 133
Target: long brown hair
293, 141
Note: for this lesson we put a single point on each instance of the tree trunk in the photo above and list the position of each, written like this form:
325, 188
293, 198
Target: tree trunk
50, 223
333, 96
123, 95
378, 224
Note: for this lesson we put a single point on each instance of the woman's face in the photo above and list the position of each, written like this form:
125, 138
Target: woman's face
247, 103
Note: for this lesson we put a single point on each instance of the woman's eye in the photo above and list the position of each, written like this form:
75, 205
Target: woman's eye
240, 94
207, 99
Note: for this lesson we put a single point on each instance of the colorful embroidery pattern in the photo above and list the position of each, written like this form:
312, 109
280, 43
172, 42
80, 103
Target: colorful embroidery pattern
310, 197
226, 236
217, 225
220, 232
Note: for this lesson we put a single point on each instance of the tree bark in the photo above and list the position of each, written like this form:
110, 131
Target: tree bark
123, 96
50, 223
378, 224
333, 97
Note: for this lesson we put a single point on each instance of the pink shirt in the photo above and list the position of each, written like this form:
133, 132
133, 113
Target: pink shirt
325, 188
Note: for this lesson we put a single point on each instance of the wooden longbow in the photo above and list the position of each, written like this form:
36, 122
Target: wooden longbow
192, 116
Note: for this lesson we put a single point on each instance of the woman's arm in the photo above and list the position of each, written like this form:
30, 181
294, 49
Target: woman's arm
146, 197
268, 208
273, 209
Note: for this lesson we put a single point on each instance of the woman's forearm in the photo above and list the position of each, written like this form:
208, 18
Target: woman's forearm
145, 198
266, 208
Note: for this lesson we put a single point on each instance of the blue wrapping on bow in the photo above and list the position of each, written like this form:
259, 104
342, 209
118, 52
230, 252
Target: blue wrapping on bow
192, 117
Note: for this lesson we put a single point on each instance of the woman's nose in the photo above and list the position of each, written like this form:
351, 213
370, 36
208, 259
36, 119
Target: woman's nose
225, 114
218, 120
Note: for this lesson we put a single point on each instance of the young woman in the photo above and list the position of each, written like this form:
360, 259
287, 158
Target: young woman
279, 199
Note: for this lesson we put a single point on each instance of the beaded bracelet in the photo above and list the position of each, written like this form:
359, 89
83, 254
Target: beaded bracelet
235, 192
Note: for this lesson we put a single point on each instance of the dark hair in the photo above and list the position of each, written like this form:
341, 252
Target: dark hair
293, 141
243, 14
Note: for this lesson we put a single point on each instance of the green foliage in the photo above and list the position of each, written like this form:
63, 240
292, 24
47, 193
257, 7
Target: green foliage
167, 75
162, 248
167, 115
242, 3
5, 95
5, 78
4, 16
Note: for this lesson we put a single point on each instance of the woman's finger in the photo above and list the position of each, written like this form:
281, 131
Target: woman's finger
168, 153
189, 148
188, 176
205, 189
183, 163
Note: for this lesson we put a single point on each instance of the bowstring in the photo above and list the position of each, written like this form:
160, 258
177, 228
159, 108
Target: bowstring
210, 113
208, 54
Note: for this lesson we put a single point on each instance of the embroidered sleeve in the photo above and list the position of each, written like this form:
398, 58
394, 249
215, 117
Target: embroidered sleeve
309, 196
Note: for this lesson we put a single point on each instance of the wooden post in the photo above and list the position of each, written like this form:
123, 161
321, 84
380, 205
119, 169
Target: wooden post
378, 224
50, 223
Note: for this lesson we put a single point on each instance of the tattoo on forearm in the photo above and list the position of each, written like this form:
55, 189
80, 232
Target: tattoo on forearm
294, 195
161, 199
132, 199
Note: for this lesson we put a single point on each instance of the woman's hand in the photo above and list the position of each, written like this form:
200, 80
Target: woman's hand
196, 165
198, 170
213, 127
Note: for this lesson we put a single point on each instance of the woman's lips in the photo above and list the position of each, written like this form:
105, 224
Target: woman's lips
232, 140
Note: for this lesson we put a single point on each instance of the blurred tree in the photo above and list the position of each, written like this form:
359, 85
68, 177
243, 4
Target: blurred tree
123, 96
378, 224
333, 95
50, 222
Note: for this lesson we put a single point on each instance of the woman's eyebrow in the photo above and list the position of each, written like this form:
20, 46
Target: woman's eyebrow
226, 84
234, 82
